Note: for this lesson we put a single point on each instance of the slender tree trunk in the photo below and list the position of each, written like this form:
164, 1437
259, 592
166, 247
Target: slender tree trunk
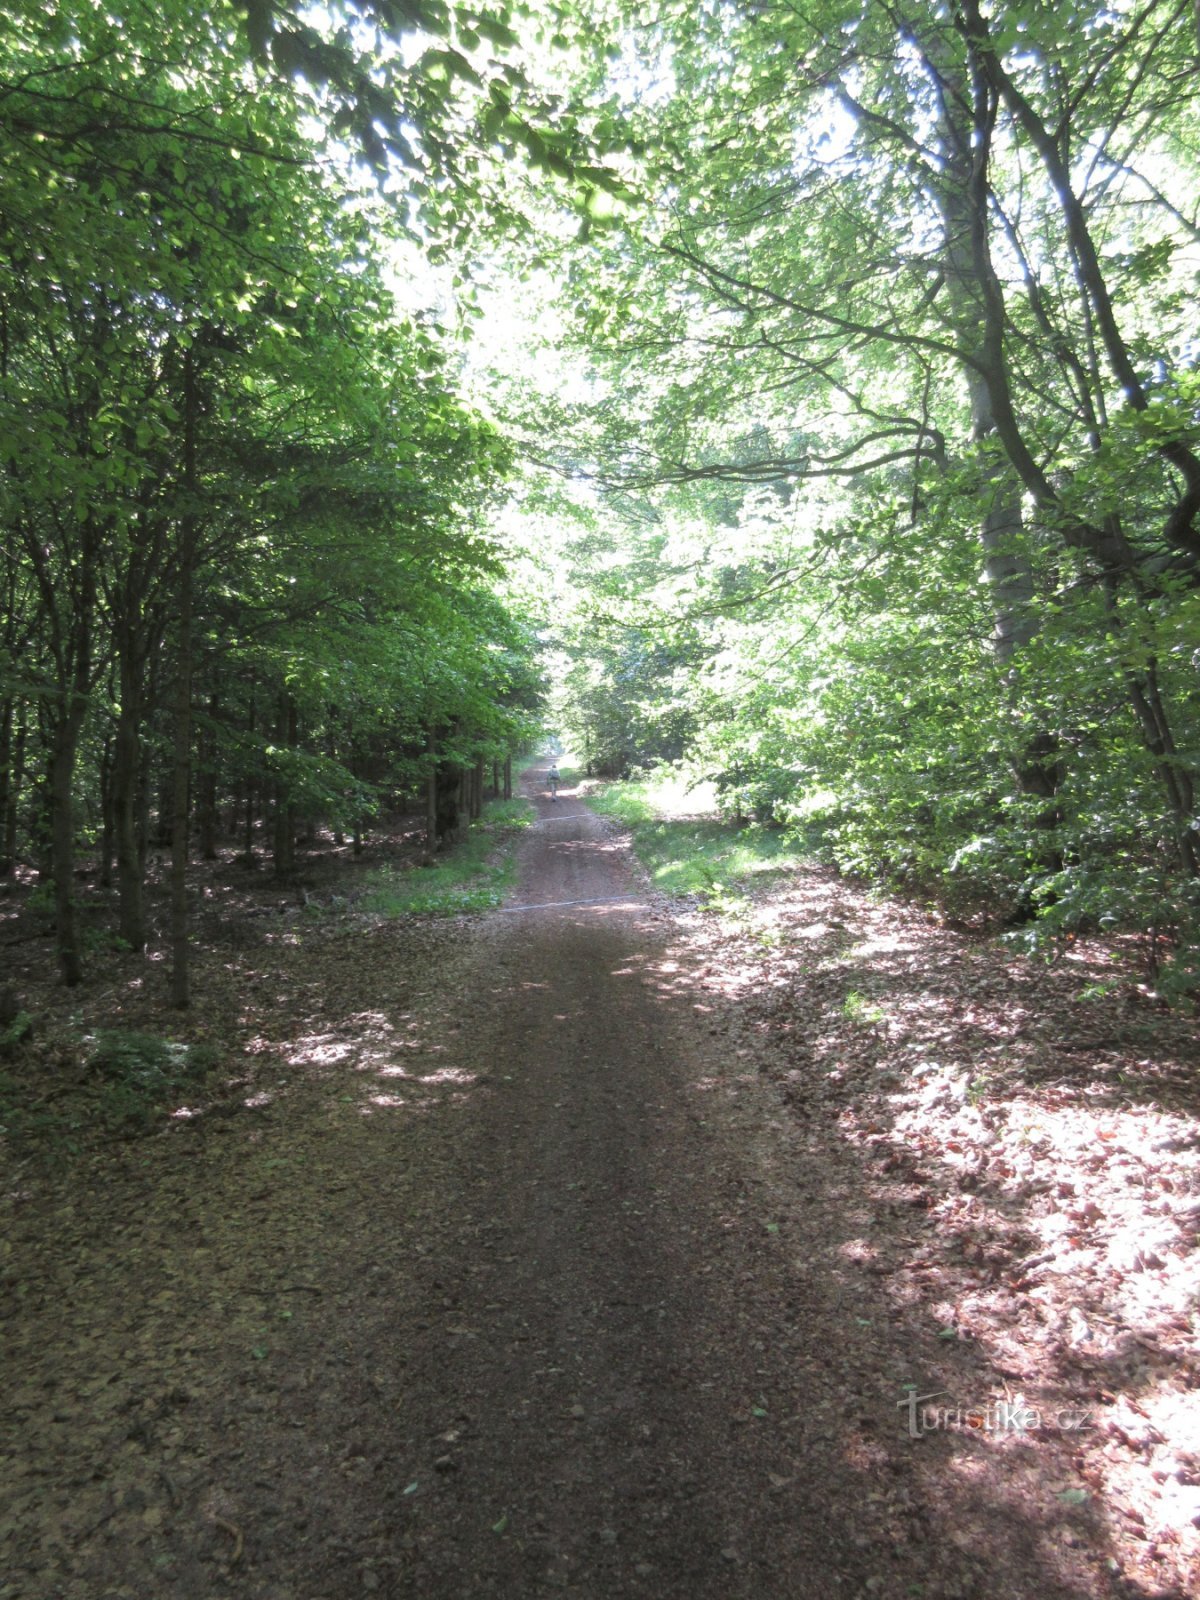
181, 808
248, 792
107, 822
284, 844
7, 786
209, 811
127, 761
431, 800
63, 750
209, 816
448, 784
142, 824
508, 790
66, 725
962, 197
16, 789
1158, 736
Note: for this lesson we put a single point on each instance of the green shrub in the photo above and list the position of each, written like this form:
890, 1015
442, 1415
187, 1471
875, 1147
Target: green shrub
15, 1033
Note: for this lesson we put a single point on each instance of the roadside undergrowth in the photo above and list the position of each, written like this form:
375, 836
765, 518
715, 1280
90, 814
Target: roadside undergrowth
1022, 1144
688, 850
474, 876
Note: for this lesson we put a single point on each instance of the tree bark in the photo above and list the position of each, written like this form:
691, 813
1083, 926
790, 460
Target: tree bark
7, 787
431, 799
63, 750
16, 788
131, 922
107, 824
448, 782
181, 808
209, 811
284, 845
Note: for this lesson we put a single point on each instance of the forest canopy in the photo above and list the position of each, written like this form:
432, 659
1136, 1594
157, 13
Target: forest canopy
906, 345
837, 365
247, 559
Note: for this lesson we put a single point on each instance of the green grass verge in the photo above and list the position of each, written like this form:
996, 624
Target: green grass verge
474, 876
695, 853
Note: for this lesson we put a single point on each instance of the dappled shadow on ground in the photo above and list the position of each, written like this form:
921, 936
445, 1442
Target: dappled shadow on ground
920, 1228
1026, 1194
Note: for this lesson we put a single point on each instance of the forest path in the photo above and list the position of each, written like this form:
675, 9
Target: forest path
505, 1281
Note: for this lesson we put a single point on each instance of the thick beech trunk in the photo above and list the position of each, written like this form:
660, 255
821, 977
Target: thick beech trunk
448, 789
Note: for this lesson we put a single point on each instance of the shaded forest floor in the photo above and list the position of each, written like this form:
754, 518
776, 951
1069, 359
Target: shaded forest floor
1025, 1143
608, 1249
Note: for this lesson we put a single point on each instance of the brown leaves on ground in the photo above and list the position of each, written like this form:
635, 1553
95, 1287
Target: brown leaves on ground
1007, 1152
1026, 1140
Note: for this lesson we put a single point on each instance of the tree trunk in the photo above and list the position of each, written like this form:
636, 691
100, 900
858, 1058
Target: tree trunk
283, 844
7, 787
209, 812
248, 822
508, 790
16, 789
431, 813
963, 199
63, 750
127, 776
107, 824
448, 784
181, 808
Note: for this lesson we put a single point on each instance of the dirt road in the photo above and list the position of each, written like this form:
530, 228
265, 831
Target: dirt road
506, 1280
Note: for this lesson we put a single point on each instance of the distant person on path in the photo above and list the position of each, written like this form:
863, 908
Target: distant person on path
552, 780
